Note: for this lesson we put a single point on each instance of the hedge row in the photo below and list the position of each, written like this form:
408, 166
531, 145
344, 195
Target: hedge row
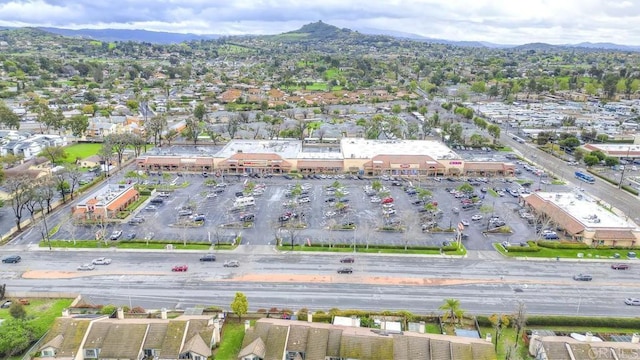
610, 181
630, 189
522, 249
391, 247
622, 323
562, 245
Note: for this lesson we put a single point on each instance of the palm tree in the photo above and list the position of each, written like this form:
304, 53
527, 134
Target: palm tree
452, 311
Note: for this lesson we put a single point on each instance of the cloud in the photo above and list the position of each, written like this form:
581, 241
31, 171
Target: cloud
500, 21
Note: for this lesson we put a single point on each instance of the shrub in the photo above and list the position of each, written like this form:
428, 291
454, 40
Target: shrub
562, 245
624, 323
522, 249
108, 309
630, 189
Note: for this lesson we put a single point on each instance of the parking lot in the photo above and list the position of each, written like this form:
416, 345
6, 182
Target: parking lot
330, 210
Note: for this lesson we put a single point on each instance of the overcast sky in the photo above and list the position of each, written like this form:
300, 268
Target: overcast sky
498, 21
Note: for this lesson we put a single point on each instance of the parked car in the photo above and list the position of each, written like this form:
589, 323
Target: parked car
86, 267
632, 301
12, 259
185, 212
156, 201
101, 261
180, 268
231, 263
149, 236
389, 211
304, 200
247, 217
136, 221
345, 270
464, 222
388, 200
582, 277
208, 257
348, 259
620, 266
211, 195
164, 194
115, 235
131, 236
476, 217
6, 304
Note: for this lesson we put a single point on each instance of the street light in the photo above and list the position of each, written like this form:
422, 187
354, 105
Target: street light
623, 169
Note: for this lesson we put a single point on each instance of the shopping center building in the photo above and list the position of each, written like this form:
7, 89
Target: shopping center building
351, 155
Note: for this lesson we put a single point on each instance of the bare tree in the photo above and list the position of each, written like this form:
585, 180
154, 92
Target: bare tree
19, 188
106, 154
232, 126
520, 319
154, 127
244, 116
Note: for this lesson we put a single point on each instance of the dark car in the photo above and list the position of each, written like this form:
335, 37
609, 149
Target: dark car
582, 277
247, 217
348, 259
208, 257
13, 259
131, 236
345, 270
620, 266
156, 201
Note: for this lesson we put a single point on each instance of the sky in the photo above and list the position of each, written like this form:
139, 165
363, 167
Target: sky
497, 21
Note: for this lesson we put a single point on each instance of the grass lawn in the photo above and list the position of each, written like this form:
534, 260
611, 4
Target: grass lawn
92, 244
232, 336
370, 250
558, 182
81, 151
41, 313
493, 192
432, 328
567, 253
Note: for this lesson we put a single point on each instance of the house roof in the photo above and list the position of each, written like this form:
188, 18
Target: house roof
275, 342
324, 340
72, 332
122, 341
197, 345
173, 339
155, 336
55, 343
256, 347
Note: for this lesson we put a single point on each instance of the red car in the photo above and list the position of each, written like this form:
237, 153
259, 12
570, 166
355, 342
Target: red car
620, 266
388, 200
180, 268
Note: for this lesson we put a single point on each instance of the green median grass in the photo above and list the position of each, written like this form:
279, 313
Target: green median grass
152, 245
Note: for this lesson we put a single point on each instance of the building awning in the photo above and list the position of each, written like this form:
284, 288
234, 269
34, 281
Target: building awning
320, 164
614, 235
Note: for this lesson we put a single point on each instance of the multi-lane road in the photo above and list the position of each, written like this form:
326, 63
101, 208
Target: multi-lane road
618, 198
297, 280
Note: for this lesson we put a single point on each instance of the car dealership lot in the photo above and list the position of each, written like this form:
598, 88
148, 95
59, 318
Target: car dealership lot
317, 209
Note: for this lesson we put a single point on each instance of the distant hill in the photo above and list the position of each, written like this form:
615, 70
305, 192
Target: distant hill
316, 31
607, 46
313, 31
156, 37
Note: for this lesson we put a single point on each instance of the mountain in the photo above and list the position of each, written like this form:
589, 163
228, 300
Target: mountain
607, 46
316, 31
156, 37
411, 36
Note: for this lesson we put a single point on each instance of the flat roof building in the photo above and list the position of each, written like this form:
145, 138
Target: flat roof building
352, 155
105, 203
583, 219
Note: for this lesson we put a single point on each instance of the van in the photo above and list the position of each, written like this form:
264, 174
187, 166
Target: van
244, 201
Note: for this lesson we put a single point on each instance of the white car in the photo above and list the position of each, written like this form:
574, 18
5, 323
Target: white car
149, 236
101, 261
375, 199
86, 267
465, 222
632, 301
476, 217
211, 195
389, 211
388, 206
164, 194
303, 200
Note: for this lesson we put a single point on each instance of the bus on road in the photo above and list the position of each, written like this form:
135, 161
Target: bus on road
585, 177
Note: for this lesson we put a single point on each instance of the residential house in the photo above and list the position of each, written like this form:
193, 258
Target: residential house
583, 347
277, 339
101, 337
29, 147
